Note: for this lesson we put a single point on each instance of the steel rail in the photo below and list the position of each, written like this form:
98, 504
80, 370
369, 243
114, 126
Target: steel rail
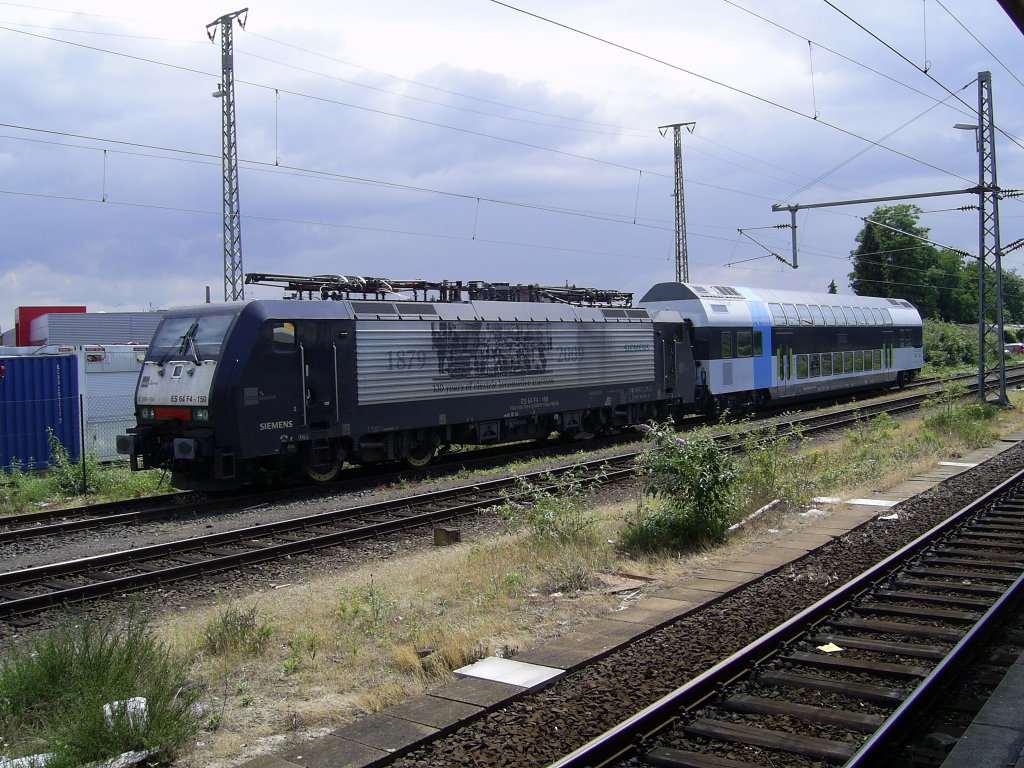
453, 503
622, 739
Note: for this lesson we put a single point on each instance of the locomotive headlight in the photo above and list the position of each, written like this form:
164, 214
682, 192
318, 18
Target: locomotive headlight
147, 413
200, 414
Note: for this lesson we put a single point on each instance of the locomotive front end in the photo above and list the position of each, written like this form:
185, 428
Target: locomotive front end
174, 399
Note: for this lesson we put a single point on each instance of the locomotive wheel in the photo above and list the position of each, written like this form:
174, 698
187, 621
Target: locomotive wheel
418, 453
326, 474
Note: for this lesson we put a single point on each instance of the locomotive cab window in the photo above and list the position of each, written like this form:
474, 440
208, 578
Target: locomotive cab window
283, 335
190, 337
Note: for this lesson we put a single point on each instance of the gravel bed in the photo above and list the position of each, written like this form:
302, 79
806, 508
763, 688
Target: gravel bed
541, 728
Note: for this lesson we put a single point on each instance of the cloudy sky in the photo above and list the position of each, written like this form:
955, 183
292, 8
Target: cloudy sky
479, 140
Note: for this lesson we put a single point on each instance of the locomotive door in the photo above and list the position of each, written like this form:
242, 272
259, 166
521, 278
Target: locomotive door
783, 341
320, 375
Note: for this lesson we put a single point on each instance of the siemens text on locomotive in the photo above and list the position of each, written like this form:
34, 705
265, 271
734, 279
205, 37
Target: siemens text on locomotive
232, 392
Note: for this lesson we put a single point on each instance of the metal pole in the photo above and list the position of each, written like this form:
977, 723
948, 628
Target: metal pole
234, 288
81, 435
991, 377
682, 256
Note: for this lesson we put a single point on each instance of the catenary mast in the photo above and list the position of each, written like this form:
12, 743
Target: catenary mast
234, 287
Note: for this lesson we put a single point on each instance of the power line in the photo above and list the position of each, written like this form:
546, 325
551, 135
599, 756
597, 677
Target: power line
721, 84
336, 102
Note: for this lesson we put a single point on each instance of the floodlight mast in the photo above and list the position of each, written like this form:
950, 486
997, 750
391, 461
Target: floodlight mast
234, 287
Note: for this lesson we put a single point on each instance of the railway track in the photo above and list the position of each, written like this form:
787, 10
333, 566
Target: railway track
57, 522
839, 682
32, 589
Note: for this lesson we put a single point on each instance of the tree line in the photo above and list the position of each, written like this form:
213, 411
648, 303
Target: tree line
895, 259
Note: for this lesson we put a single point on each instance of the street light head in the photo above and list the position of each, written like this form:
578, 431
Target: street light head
967, 126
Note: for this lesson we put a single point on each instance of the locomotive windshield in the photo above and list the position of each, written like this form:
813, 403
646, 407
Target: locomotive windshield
190, 337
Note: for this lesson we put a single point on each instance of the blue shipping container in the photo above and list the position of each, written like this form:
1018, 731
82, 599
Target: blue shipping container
38, 395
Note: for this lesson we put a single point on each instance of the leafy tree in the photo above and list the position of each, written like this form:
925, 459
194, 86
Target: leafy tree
892, 259
833, 288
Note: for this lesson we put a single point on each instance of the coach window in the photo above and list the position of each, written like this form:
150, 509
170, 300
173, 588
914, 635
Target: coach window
858, 361
743, 344
805, 314
726, 345
791, 316
851, 319
826, 364
758, 344
778, 316
859, 314
886, 316
877, 314
876, 356
801, 366
830, 319
815, 361
816, 315
283, 335
848, 362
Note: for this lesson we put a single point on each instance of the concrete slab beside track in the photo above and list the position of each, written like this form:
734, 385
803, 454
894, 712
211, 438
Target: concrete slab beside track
375, 739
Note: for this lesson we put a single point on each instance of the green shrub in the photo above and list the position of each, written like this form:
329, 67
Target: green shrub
687, 495
236, 632
52, 695
949, 346
966, 422
559, 510
767, 470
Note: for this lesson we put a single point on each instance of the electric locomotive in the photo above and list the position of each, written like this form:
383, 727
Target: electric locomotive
234, 392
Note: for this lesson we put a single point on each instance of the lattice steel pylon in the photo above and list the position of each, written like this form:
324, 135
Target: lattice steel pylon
234, 284
991, 360
682, 256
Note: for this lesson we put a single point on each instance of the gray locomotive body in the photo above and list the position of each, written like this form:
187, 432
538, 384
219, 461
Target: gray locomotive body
232, 392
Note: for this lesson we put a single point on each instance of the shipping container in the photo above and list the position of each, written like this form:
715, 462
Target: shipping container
38, 398
95, 328
105, 376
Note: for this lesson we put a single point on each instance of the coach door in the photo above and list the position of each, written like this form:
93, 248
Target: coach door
783, 341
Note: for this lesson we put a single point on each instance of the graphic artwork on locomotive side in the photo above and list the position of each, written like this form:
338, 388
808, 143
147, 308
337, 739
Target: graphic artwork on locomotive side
234, 392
